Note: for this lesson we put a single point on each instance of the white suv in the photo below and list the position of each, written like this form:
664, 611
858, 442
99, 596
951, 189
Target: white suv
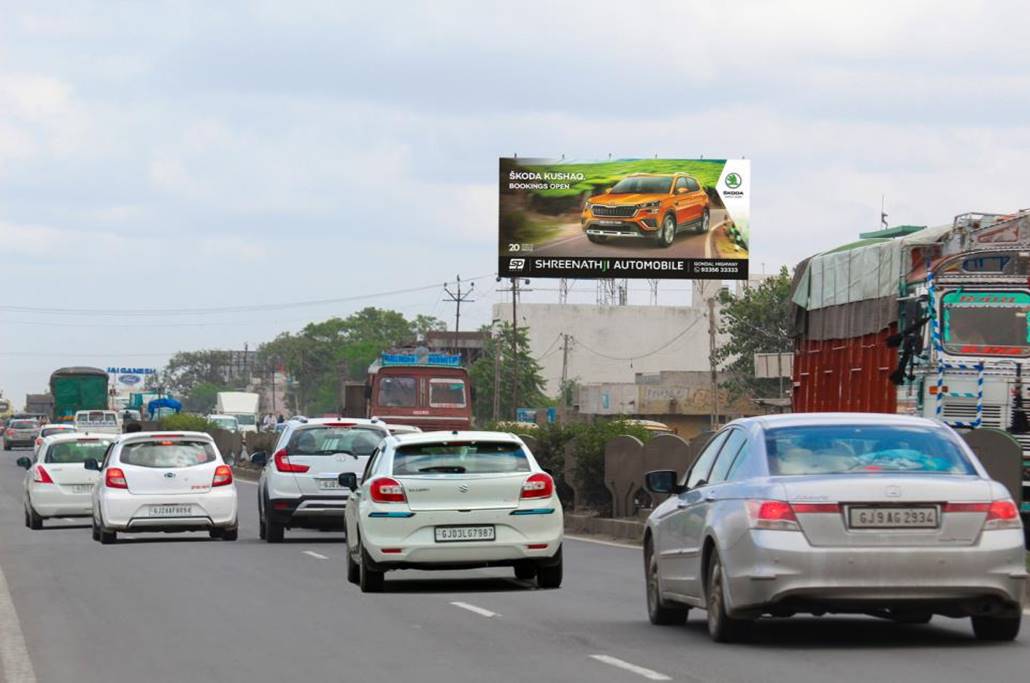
164, 481
299, 485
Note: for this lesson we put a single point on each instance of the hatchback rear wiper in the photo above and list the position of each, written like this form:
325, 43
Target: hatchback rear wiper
445, 469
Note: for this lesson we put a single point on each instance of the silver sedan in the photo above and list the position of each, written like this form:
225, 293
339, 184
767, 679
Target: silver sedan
852, 513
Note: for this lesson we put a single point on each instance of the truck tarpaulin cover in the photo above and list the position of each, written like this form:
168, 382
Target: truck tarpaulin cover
626, 218
853, 290
80, 388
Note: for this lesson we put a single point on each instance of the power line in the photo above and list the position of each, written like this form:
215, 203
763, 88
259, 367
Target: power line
643, 355
220, 309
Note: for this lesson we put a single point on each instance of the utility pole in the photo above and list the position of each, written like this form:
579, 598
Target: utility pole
497, 377
458, 297
563, 399
515, 289
712, 363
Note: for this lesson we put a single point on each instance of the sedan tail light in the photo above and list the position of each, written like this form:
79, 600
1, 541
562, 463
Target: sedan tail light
387, 490
1003, 514
538, 485
777, 515
283, 464
115, 479
41, 476
223, 476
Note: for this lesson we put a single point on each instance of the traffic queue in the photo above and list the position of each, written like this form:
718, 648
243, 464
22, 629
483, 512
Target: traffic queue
890, 516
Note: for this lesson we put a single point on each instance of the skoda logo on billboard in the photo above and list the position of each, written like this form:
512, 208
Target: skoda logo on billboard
733, 180
129, 379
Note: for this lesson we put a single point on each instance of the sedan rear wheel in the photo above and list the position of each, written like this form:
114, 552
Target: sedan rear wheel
658, 612
721, 626
996, 628
353, 570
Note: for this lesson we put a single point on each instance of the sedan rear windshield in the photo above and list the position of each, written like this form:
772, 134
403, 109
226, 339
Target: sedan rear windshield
328, 440
23, 424
863, 449
77, 451
168, 454
460, 458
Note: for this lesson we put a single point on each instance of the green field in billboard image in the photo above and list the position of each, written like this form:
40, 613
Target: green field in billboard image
627, 208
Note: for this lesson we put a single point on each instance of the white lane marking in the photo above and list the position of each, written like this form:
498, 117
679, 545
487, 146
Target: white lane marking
610, 544
626, 666
14, 656
478, 610
318, 556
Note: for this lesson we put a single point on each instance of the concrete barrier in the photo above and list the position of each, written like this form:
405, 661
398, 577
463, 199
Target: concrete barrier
624, 530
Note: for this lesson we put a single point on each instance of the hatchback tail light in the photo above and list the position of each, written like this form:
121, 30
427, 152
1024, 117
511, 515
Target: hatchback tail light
777, 515
115, 479
387, 490
283, 464
538, 485
223, 476
41, 476
1002, 514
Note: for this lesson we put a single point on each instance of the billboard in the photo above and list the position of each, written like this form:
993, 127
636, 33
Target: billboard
625, 218
125, 380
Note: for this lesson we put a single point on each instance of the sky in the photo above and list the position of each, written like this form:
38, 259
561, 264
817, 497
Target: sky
238, 155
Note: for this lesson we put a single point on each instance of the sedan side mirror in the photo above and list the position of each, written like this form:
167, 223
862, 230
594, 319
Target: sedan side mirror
91, 464
259, 458
348, 480
662, 482
24, 462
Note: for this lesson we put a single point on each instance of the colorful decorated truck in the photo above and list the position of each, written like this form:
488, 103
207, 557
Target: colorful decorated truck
929, 321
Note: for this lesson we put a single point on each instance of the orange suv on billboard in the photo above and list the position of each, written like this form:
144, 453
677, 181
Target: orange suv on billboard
647, 205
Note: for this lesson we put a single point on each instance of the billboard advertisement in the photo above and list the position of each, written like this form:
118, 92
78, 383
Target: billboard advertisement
124, 380
625, 218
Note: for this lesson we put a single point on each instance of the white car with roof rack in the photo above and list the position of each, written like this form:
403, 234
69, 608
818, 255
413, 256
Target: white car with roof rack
453, 500
57, 484
164, 481
299, 485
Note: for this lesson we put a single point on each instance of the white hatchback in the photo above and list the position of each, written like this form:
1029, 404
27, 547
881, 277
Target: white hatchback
453, 500
164, 481
57, 484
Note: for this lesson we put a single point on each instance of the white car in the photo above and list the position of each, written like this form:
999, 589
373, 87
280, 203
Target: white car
57, 484
164, 481
226, 422
49, 430
453, 500
299, 486
98, 421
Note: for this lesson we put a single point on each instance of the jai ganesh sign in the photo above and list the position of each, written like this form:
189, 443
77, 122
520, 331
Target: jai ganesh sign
627, 218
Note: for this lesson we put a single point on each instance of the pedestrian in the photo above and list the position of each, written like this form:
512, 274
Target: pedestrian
280, 419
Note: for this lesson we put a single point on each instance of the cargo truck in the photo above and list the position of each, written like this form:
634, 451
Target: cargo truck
78, 388
929, 321
242, 405
430, 391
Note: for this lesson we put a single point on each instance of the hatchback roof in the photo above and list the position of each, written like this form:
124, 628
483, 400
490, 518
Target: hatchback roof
816, 419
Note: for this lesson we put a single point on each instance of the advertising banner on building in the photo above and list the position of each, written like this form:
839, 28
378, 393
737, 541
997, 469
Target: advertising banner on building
625, 218
125, 380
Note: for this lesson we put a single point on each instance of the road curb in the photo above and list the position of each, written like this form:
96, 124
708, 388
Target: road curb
626, 530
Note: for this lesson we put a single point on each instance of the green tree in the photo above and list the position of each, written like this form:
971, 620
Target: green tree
202, 398
758, 321
530, 382
187, 369
423, 324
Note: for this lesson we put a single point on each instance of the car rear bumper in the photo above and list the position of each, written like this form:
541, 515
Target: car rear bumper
517, 537
19, 443
305, 511
128, 512
780, 568
53, 500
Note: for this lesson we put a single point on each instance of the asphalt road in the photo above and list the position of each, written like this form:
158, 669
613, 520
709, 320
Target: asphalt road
184, 608
688, 244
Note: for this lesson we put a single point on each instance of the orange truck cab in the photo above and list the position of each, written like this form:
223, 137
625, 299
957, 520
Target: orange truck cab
430, 391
